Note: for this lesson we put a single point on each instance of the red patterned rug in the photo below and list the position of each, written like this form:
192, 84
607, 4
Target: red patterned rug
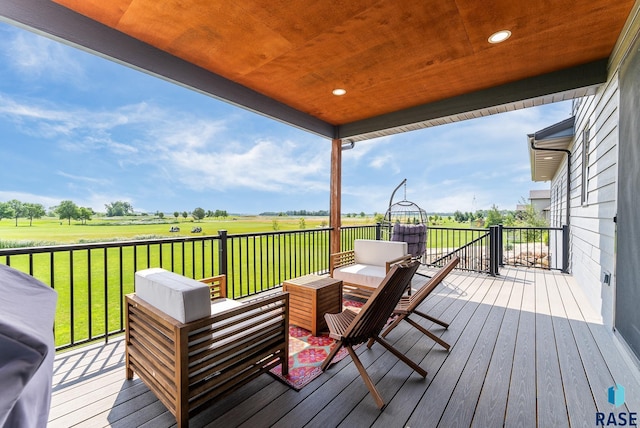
307, 352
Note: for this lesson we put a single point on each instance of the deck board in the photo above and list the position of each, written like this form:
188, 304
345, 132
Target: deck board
492, 402
552, 408
411, 392
525, 351
574, 377
521, 400
459, 412
436, 398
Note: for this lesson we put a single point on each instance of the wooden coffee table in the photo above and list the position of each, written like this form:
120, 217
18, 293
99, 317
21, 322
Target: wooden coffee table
310, 297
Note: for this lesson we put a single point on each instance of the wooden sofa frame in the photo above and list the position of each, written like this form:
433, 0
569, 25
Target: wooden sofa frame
188, 365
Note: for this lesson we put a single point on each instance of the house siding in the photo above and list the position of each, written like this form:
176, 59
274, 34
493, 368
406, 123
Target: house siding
592, 231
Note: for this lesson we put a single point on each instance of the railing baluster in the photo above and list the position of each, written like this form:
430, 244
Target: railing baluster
121, 281
89, 297
71, 298
182, 259
106, 286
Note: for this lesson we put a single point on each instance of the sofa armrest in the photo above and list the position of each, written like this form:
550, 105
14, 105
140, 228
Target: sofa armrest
390, 263
217, 286
343, 258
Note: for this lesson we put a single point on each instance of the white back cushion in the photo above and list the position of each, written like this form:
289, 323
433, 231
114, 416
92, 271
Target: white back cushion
377, 253
182, 298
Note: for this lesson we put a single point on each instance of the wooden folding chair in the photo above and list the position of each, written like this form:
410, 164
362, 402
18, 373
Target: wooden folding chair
409, 304
351, 329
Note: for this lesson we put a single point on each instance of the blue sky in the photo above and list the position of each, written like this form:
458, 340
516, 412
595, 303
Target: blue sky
76, 126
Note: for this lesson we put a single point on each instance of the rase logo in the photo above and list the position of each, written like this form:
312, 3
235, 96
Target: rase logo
616, 397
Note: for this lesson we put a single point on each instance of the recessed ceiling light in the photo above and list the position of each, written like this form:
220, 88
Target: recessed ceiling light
338, 92
499, 36
548, 158
543, 176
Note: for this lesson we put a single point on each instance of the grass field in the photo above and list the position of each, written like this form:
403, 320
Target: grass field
53, 231
91, 283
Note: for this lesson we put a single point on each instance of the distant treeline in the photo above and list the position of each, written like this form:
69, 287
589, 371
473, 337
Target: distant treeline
296, 213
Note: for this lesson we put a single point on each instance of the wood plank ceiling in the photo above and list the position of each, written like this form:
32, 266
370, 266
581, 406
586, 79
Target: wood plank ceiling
390, 56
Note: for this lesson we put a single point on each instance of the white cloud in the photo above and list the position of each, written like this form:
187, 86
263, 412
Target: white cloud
263, 165
197, 151
90, 180
46, 201
37, 57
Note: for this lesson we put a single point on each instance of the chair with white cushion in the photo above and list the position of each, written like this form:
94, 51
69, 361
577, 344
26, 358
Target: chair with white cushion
190, 344
363, 268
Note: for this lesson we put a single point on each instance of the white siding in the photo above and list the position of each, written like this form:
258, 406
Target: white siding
592, 231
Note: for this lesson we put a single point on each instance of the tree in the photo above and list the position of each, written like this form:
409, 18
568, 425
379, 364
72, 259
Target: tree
275, 225
530, 216
185, 214
160, 215
198, 213
5, 210
118, 209
176, 214
67, 210
83, 214
18, 209
509, 218
220, 213
32, 211
362, 214
494, 217
301, 223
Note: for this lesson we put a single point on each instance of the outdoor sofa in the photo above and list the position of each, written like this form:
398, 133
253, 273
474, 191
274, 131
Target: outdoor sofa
363, 268
191, 345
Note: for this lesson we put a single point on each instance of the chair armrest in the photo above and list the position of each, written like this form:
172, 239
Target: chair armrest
217, 286
394, 261
344, 258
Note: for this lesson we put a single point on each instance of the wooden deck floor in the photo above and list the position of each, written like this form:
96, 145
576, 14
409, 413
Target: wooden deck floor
527, 350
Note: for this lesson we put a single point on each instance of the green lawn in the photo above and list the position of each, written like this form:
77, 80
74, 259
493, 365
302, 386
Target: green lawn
90, 283
52, 230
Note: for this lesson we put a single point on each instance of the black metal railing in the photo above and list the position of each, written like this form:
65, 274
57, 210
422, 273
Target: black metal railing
485, 250
92, 279
348, 234
540, 247
257, 262
471, 245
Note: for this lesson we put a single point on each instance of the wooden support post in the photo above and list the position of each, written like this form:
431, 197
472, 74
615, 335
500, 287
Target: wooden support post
336, 194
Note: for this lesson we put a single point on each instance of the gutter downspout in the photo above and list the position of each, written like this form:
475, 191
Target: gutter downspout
533, 147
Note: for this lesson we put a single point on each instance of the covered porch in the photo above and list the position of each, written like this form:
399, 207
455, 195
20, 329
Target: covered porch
527, 350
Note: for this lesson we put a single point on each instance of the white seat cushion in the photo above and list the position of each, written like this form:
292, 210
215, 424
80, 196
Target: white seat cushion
220, 305
360, 274
182, 298
378, 253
